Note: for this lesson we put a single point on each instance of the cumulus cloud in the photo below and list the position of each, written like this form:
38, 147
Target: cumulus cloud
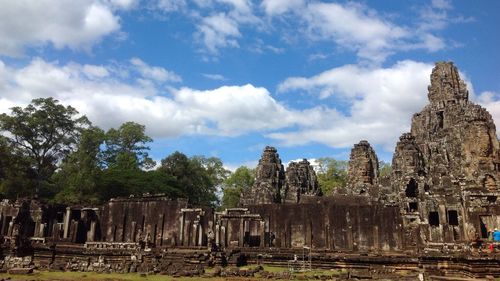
108, 100
381, 103
67, 23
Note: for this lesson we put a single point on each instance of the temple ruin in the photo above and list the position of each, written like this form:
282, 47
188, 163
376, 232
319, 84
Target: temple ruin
433, 216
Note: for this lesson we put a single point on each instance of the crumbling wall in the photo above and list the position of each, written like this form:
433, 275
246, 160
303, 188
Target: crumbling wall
152, 220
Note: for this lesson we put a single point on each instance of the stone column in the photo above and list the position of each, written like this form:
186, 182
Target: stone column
376, 240
37, 229
217, 235
66, 222
4, 224
262, 230
242, 233
181, 236
11, 226
200, 235
133, 226
42, 230
91, 233
194, 234
223, 236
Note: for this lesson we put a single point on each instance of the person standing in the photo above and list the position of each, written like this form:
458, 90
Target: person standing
496, 235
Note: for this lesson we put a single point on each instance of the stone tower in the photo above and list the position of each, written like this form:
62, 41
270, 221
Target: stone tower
363, 171
301, 182
270, 179
451, 155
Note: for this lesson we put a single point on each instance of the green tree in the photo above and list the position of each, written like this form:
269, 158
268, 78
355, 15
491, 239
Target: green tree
385, 169
40, 136
197, 178
78, 176
126, 148
332, 174
115, 182
4, 157
243, 178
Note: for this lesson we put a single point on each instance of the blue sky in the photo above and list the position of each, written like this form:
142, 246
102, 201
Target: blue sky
227, 77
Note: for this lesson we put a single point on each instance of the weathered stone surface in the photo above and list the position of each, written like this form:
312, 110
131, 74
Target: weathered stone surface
18, 270
270, 179
457, 138
363, 172
445, 170
301, 181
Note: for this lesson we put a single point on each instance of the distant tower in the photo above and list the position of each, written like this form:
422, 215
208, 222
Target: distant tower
363, 171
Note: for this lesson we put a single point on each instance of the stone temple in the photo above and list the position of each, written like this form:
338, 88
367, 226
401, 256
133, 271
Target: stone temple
431, 217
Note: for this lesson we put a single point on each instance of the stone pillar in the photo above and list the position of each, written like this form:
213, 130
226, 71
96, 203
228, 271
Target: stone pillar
91, 233
133, 232
194, 234
200, 235
262, 230
242, 233
66, 222
4, 224
349, 238
376, 239
181, 236
217, 235
223, 236
41, 231
11, 226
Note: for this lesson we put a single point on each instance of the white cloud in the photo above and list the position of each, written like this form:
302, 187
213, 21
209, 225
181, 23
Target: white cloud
124, 4
241, 6
221, 27
155, 73
218, 31
381, 103
66, 23
171, 5
95, 71
491, 101
218, 77
277, 7
355, 27
442, 4
100, 93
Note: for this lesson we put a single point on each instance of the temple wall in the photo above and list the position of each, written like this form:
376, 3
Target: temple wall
333, 224
153, 220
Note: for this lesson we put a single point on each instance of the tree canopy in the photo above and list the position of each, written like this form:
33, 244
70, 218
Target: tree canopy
232, 188
332, 174
42, 134
49, 150
197, 177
